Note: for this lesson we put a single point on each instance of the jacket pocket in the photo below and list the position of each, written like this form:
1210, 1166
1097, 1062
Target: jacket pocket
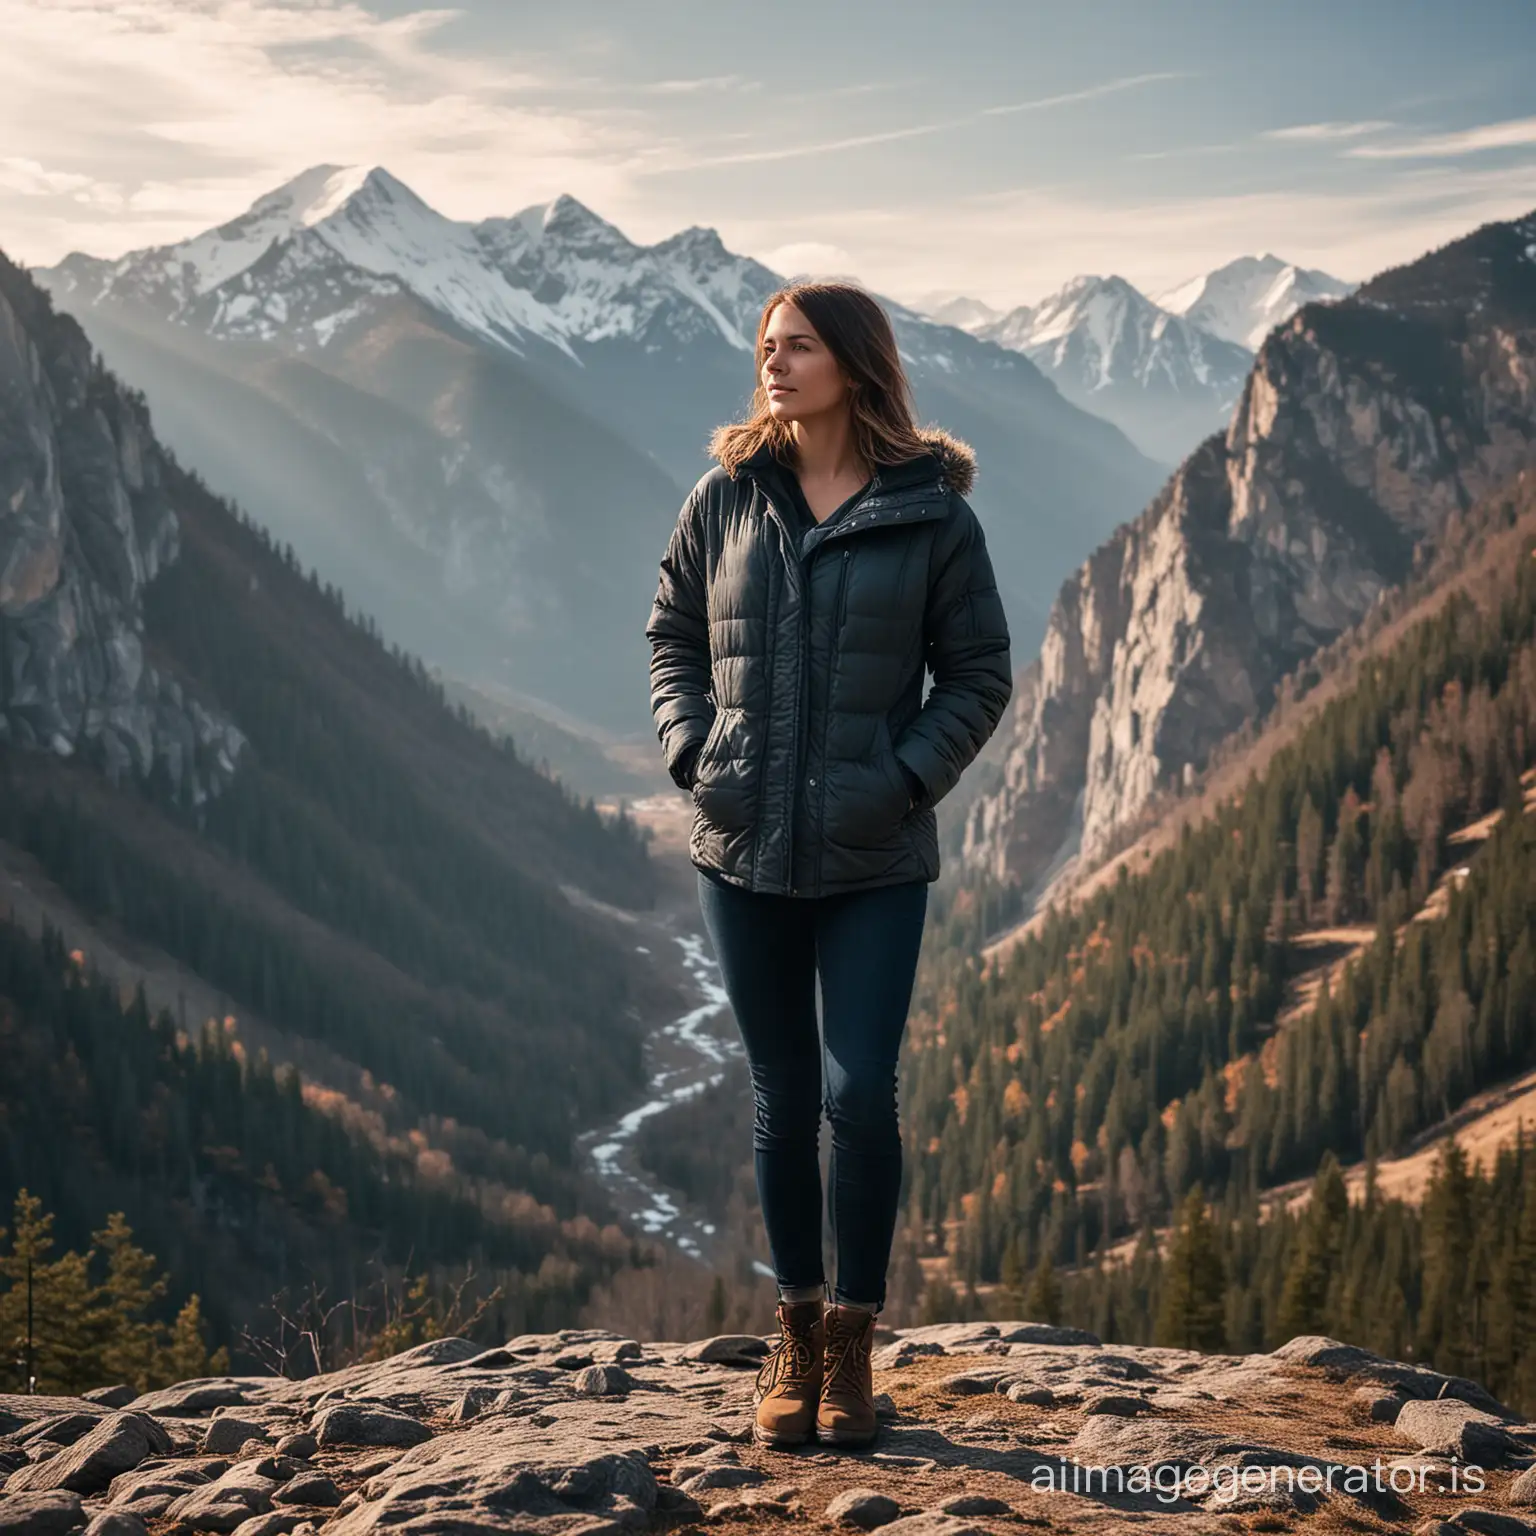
722, 781
870, 799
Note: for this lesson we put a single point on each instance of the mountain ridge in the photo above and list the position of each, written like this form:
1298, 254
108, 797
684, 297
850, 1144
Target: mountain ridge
629, 355
1363, 423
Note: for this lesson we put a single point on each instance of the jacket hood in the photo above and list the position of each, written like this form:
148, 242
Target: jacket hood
945, 454
956, 458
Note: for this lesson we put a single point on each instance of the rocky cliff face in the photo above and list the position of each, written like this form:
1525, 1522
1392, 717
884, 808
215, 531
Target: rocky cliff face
985, 1427
85, 523
1361, 426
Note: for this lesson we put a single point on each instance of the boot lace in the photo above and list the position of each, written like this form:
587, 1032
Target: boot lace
790, 1360
848, 1346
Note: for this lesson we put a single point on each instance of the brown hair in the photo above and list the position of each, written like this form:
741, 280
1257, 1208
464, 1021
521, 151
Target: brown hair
857, 332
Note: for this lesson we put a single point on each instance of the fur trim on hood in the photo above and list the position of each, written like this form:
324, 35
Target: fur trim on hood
957, 457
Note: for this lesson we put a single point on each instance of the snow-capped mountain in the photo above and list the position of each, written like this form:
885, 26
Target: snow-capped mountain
956, 309
1246, 299
1097, 332
1163, 381
1165, 371
555, 273
445, 415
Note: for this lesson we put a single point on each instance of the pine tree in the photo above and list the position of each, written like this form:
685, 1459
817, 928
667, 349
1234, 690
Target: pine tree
1315, 1262
1192, 1314
186, 1356
1042, 1301
132, 1346
69, 1327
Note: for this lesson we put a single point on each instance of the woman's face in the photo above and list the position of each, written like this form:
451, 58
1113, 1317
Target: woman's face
800, 375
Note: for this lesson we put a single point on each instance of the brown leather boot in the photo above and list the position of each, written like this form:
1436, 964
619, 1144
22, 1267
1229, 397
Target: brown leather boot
789, 1380
845, 1414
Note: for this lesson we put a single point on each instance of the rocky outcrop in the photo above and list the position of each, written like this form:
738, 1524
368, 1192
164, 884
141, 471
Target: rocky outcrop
85, 525
1361, 426
984, 1427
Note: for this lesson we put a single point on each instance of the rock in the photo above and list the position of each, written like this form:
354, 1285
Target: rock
1343, 1361
985, 1424
674, 1502
974, 1504
1448, 1427
311, 1488
116, 1522
120, 1441
933, 1524
1124, 1404
58, 1428
1023, 1392
48, 1513
721, 1476
193, 1397
890, 1357
111, 1397
1250, 557
886, 1410
475, 1400
1120, 1367
1378, 1405
229, 1434
88, 523
275, 1522
280, 1469
300, 1443
728, 1349
366, 1424
863, 1507
603, 1381
1523, 1489
1046, 1333
484, 1477
1427, 1472
225, 1503
1489, 1522
151, 1488
755, 1503
971, 1383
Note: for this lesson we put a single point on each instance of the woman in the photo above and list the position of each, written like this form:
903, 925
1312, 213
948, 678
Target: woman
811, 575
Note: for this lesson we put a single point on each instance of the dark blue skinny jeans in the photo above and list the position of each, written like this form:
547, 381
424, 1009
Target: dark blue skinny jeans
865, 945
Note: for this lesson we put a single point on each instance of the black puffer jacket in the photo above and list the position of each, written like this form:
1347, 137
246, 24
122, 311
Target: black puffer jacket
787, 674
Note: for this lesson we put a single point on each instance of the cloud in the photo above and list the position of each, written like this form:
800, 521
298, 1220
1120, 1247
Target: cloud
809, 258
661, 160
27, 178
1181, 153
132, 122
1314, 132
1088, 93
1514, 133
704, 83
1015, 246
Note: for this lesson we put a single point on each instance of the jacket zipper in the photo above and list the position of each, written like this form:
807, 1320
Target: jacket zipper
838, 614
803, 585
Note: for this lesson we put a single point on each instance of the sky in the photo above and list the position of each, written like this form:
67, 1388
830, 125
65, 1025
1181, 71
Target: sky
990, 149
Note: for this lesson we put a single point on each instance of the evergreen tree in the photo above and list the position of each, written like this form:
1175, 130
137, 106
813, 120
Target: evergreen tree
1192, 1313
1042, 1301
1315, 1262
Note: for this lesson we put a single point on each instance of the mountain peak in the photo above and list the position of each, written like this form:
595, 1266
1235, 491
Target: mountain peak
1242, 300
568, 221
310, 196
